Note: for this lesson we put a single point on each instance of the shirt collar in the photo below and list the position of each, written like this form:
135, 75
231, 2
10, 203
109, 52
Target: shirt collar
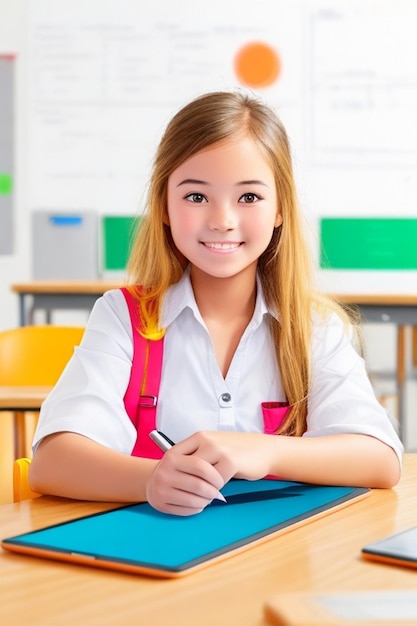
178, 297
181, 296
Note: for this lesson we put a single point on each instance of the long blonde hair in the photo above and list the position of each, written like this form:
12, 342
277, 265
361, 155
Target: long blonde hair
284, 268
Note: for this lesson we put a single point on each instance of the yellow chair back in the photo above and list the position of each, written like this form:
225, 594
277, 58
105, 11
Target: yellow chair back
36, 355
21, 489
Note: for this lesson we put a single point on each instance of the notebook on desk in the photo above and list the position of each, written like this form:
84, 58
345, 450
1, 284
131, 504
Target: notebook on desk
138, 539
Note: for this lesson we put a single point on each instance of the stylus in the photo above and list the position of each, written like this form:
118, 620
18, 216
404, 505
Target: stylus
258, 496
163, 442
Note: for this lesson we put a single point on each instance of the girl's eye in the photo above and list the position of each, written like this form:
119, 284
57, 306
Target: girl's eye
196, 197
249, 198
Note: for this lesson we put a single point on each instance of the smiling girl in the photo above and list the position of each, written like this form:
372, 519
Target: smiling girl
260, 374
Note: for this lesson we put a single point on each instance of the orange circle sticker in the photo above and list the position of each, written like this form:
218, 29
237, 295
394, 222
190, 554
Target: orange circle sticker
257, 65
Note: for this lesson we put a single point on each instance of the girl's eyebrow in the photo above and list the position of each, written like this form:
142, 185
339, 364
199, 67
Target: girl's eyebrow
192, 181
195, 181
252, 182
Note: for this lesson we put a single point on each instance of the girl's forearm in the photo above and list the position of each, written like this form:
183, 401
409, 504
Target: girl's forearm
73, 466
346, 459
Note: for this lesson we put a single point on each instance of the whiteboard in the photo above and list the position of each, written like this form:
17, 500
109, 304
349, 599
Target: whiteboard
105, 78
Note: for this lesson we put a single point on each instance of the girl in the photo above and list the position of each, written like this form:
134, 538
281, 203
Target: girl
220, 266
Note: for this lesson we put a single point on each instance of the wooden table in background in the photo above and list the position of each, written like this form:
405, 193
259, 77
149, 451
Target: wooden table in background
49, 295
400, 310
22, 398
19, 400
320, 556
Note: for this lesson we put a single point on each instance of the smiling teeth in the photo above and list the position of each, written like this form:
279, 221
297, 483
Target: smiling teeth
222, 246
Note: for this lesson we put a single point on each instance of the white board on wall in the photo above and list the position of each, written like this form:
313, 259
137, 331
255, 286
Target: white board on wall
105, 81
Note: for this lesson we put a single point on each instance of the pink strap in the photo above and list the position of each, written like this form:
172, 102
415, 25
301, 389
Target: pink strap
141, 397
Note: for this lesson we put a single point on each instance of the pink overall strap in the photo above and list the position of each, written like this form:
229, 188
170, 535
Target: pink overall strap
141, 397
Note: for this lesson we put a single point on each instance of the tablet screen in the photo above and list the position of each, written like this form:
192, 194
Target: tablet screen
400, 548
138, 535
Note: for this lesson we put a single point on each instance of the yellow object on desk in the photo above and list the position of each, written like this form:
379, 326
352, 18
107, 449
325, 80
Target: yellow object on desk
21, 488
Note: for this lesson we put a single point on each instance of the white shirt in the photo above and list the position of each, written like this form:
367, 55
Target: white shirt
88, 398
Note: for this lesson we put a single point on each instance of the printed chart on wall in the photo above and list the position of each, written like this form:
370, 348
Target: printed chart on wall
103, 83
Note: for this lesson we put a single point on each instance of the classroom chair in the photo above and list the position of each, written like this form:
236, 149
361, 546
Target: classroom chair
21, 489
34, 356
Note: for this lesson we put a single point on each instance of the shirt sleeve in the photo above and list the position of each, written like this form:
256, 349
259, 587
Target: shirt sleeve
342, 399
88, 398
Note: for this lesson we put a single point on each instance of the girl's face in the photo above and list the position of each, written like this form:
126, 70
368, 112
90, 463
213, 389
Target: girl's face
223, 207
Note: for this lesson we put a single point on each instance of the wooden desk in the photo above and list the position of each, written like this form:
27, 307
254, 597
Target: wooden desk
22, 398
383, 308
321, 556
19, 400
400, 310
49, 295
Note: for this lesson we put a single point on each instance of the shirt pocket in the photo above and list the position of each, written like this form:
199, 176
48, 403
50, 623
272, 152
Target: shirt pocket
273, 414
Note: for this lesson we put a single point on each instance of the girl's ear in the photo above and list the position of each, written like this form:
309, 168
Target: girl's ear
165, 219
278, 220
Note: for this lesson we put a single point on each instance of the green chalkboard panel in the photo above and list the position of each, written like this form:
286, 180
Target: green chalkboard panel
118, 232
368, 243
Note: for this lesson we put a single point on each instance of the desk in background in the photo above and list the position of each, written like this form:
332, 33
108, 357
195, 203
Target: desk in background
400, 310
49, 295
19, 400
81, 294
22, 398
321, 556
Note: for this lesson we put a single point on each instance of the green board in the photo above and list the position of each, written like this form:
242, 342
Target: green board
368, 243
118, 232
6, 184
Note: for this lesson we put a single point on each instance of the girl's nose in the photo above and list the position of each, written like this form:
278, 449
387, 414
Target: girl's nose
222, 217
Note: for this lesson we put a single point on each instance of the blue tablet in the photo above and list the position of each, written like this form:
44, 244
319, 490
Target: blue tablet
138, 539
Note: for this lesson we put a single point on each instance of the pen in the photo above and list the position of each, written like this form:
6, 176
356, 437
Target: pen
164, 443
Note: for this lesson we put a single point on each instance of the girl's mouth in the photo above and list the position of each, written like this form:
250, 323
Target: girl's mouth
215, 245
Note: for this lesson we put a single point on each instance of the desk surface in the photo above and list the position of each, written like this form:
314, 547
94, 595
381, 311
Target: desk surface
377, 299
26, 398
66, 286
323, 555
101, 285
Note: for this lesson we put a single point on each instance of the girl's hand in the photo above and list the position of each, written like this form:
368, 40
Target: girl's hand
241, 455
183, 484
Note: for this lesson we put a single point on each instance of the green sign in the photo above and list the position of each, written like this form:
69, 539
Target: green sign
118, 233
368, 243
6, 184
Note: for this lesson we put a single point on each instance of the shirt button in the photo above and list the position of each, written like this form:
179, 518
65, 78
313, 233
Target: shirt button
226, 397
